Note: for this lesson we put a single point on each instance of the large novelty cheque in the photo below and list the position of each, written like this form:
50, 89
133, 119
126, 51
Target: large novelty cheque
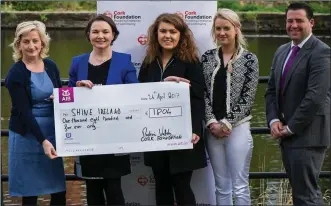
122, 118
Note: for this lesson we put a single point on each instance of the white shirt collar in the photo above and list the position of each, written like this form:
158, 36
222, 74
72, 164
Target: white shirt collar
303, 42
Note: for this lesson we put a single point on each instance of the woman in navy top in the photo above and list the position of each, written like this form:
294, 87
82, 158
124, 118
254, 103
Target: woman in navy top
102, 66
34, 168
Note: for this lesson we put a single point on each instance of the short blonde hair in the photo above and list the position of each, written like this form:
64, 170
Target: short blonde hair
234, 19
25, 27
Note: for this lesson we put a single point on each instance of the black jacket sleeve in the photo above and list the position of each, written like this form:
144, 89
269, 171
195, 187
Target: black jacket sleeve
142, 73
58, 78
195, 75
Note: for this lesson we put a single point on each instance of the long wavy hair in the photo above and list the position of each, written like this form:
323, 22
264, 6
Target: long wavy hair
186, 49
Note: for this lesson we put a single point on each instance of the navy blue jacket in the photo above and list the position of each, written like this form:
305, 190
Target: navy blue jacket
18, 84
121, 69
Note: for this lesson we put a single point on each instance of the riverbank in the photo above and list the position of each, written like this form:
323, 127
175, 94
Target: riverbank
252, 22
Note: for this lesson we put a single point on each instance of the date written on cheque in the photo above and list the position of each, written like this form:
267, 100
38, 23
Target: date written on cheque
161, 96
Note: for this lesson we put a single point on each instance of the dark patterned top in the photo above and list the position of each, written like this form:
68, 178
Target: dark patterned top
241, 88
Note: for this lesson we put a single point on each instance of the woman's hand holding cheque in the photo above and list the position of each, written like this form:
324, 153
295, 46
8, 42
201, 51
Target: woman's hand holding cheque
84, 83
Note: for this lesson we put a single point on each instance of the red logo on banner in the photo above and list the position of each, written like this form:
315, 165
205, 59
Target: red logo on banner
190, 13
142, 39
108, 13
142, 180
180, 14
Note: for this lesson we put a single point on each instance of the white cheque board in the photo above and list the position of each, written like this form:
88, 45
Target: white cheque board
122, 118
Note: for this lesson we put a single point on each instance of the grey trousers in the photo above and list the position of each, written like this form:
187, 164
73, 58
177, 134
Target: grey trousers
303, 166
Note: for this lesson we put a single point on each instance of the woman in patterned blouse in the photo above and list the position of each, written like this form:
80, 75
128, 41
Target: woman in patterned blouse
231, 75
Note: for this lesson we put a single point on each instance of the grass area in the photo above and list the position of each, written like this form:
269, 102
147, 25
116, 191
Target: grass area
49, 6
280, 193
271, 6
240, 6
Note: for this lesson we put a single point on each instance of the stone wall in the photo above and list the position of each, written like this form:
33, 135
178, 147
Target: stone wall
262, 23
274, 23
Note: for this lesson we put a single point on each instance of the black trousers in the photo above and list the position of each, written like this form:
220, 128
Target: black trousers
104, 192
166, 184
56, 199
303, 166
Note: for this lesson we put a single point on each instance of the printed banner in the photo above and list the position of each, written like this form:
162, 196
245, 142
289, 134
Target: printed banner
133, 19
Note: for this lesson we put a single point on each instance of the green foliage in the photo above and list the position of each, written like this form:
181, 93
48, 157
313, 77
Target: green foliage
43, 17
88, 5
321, 7
250, 16
236, 5
49, 5
249, 7
30, 6
270, 6
233, 5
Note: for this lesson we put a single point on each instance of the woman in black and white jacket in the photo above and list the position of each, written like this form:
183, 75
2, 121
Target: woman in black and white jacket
231, 75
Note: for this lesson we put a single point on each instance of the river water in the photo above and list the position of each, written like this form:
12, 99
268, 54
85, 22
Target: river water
266, 156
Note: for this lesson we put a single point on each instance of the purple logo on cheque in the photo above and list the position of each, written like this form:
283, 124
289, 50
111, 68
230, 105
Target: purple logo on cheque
66, 95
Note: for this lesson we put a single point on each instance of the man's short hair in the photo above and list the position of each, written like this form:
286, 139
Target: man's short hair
300, 5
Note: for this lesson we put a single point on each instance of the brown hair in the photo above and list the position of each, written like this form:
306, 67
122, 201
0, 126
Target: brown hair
104, 18
186, 49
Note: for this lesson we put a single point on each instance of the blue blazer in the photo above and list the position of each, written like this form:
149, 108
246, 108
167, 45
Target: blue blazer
121, 69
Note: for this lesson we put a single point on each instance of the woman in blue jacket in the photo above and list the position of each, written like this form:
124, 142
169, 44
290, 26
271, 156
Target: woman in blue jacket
34, 168
102, 66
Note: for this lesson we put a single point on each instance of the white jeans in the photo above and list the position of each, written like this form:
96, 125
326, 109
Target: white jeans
230, 158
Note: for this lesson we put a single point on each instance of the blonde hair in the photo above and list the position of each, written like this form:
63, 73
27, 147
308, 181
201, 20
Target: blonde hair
234, 19
25, 27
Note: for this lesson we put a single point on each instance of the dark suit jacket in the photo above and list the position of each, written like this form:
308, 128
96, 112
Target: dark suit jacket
306, 94
180, 160
19, 86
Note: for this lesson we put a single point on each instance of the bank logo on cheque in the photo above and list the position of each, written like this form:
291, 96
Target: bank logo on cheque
195, 18
123, 17
68, 136
66, 95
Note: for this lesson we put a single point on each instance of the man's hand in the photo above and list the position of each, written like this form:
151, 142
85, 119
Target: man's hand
276, 129
285, 131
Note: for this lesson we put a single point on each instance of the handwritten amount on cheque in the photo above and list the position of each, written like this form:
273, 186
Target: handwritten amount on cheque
89, 118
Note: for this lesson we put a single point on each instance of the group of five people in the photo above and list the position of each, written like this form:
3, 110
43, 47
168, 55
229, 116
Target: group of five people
223, 84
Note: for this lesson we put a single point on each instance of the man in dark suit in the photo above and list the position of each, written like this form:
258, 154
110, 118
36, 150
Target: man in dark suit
298, 104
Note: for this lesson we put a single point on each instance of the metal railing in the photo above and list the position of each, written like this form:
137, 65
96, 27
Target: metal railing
262, 79
254, 130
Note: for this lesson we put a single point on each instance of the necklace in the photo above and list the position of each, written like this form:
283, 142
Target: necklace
98, 61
